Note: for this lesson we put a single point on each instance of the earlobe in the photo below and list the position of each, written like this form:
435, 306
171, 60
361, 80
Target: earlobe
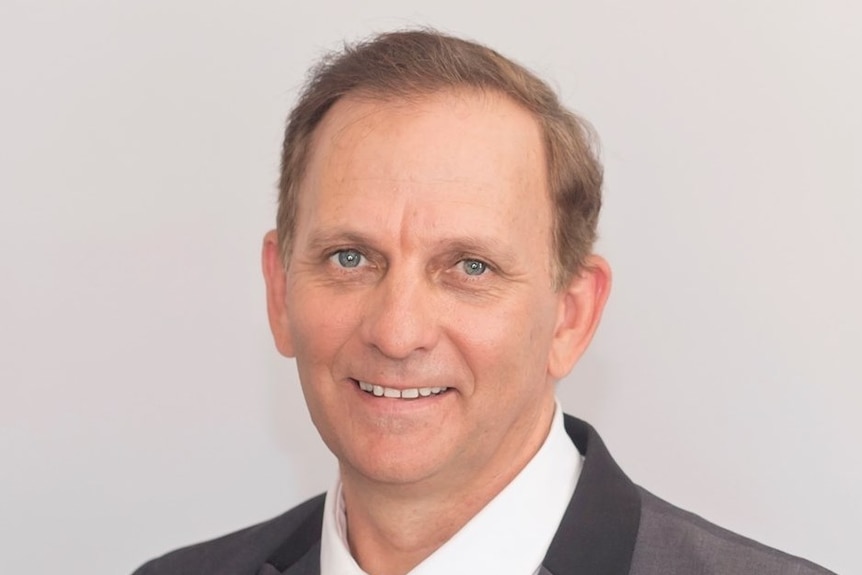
581, 306
275, 277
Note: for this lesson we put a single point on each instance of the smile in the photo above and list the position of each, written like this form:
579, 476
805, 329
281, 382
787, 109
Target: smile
410, 393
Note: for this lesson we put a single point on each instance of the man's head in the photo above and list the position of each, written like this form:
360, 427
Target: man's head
421, 297
413, 64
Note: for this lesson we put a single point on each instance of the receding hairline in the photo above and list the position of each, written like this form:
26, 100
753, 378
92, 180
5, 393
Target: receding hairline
399, 102
404, 102
409, 64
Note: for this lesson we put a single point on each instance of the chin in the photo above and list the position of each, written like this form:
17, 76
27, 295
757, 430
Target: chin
392, 464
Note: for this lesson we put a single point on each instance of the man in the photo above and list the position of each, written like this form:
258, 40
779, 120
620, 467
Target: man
432, 273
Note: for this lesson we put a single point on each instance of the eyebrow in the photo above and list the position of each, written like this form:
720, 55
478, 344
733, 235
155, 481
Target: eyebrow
326, 239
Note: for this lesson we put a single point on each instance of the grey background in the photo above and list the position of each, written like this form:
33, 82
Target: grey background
143, 405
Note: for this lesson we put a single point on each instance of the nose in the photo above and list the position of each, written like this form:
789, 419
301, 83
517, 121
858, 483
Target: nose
400, 319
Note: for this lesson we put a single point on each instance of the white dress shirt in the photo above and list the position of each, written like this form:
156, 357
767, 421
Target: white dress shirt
510, 535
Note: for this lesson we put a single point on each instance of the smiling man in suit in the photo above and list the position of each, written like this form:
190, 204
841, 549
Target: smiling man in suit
432, 273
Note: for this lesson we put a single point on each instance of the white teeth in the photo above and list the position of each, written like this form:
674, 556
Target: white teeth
411, 393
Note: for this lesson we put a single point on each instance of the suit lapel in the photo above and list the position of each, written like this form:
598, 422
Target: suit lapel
308, 564
598, 531
300, 553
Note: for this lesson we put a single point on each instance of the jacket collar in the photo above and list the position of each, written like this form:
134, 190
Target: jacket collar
597, 533
300, 553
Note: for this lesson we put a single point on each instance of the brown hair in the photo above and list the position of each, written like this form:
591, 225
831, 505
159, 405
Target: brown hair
419, 62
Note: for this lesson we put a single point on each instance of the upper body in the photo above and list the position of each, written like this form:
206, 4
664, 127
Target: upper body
610, 526
433, 275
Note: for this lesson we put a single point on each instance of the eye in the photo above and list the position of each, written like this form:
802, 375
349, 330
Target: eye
347, 258
474, 267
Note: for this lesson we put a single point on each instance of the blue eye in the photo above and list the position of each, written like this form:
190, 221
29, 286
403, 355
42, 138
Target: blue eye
348, 258
474, 267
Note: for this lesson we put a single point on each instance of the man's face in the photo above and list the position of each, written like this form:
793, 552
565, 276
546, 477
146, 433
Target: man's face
418, 301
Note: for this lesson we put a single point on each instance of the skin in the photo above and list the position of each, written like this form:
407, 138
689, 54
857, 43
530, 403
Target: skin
422, 258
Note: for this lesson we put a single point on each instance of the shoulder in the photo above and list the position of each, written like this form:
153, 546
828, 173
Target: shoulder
239, 553
673, 541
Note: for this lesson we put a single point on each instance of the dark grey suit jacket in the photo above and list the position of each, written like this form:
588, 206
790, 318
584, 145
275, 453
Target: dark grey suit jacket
611, 527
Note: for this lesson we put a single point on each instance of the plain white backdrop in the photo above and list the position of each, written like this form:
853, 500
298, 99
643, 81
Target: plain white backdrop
142, 404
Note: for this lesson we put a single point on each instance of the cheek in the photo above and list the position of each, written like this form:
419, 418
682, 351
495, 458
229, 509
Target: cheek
509, 344
319, 323
321, 326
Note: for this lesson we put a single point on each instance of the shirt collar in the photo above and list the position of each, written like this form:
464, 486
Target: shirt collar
511, 534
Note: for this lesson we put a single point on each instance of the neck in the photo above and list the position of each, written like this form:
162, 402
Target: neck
391, 528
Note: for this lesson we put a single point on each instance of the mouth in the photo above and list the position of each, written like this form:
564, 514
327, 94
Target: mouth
407, 393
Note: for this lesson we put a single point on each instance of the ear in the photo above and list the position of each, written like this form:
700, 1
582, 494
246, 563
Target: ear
581, 305
276, 289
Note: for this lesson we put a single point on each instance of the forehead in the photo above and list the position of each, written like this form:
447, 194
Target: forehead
476, 122
474, 156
